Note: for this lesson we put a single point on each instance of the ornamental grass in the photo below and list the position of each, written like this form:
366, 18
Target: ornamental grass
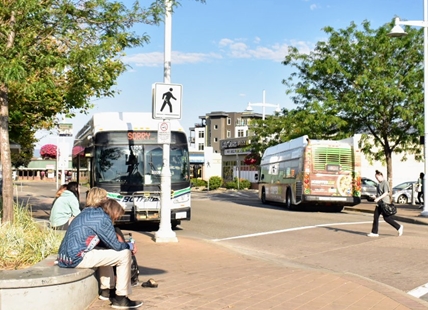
26, 242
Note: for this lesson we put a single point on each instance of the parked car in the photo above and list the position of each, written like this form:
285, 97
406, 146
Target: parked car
402, 193
368, 188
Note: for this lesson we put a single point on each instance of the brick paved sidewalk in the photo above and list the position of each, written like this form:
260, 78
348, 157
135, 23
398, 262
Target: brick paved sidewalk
196, 274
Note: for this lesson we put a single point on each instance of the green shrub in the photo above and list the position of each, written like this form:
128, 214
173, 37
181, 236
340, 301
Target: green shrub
196, 182
215, 182
244, 184
231, 185
26, 242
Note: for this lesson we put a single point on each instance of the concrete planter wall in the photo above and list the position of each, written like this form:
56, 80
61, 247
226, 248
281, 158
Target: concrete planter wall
47, 286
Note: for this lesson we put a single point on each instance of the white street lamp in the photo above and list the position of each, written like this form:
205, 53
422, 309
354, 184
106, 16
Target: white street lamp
165, 232
397, 31
264, 105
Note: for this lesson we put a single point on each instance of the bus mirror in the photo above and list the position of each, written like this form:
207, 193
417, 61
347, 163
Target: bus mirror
88, 152
256, 177
262, 177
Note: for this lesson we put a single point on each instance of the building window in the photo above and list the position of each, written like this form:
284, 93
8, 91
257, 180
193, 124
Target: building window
200, 146
229, 121
201, 134
215, 139
215, 127
240, 133
228, 133
238, 122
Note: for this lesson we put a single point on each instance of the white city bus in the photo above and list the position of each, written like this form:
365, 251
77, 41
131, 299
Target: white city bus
125, 158
302, 172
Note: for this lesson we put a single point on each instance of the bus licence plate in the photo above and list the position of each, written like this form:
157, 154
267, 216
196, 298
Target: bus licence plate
147, 204
180, 215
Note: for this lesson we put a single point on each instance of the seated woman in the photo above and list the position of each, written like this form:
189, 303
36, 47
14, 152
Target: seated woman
95, 197
65, 207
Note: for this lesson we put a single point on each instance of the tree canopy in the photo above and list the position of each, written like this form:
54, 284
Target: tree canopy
358, 81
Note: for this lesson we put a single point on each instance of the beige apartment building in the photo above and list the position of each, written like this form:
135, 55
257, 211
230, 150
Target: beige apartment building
227, 133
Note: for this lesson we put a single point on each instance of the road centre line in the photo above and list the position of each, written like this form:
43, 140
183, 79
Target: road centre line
287, 230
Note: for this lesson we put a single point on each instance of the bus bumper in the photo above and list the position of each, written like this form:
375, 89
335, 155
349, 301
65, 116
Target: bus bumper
154, 216
333, 200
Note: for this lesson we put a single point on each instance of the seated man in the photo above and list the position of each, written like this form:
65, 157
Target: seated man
79, 249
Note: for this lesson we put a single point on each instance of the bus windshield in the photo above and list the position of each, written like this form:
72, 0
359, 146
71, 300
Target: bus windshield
138, 164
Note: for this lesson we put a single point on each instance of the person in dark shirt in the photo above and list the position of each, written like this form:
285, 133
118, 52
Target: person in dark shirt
382, 196
79, 249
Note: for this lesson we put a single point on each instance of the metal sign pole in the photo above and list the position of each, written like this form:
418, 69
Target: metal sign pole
165, 232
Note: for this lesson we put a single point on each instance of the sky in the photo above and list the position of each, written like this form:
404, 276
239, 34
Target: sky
225, 53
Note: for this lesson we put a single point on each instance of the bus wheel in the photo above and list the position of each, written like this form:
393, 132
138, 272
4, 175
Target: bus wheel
337, 209
175, 223
288, 199
264, 201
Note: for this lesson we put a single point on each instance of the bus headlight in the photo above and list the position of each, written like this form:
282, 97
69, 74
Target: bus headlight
181, 199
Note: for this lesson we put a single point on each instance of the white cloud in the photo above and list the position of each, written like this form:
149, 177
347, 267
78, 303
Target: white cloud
314, 7
156, 59
225, 42
232, 48
275, 52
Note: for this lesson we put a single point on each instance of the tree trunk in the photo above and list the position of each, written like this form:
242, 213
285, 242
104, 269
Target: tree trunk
388, 158
5, 157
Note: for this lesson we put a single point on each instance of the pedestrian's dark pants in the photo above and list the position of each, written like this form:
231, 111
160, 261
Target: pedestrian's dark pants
420, 196
388, 219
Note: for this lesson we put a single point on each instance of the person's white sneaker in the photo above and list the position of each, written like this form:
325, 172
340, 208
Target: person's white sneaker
400, 230
372, 235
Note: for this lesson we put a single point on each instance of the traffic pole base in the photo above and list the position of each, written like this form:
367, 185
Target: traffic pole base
165, 236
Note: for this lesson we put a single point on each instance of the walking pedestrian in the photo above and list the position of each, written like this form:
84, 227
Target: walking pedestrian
383, 194
420, 190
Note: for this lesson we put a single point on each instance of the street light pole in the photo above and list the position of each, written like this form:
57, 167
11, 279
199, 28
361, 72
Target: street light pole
397, 31
165, 232
264, 105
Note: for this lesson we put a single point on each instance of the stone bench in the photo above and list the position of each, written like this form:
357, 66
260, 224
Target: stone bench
47, 286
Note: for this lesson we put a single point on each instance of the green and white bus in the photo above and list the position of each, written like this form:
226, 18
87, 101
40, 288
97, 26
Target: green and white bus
302, 172
125, 158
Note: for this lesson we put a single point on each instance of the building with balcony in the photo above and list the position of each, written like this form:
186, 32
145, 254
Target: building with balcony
220, 130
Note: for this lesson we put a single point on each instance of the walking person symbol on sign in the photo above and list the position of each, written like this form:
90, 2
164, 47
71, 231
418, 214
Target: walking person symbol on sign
164, 96
167, 100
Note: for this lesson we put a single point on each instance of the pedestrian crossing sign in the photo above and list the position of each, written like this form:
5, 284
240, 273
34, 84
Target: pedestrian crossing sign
166, 101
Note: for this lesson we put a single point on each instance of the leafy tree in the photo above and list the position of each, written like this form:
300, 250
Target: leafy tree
366, 82
290, 124
24, 156
55, 56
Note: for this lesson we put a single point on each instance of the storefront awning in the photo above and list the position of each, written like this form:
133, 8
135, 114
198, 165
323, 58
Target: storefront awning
196, 158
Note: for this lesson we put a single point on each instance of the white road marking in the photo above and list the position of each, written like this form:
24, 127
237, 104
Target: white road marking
419, 291
287, 230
